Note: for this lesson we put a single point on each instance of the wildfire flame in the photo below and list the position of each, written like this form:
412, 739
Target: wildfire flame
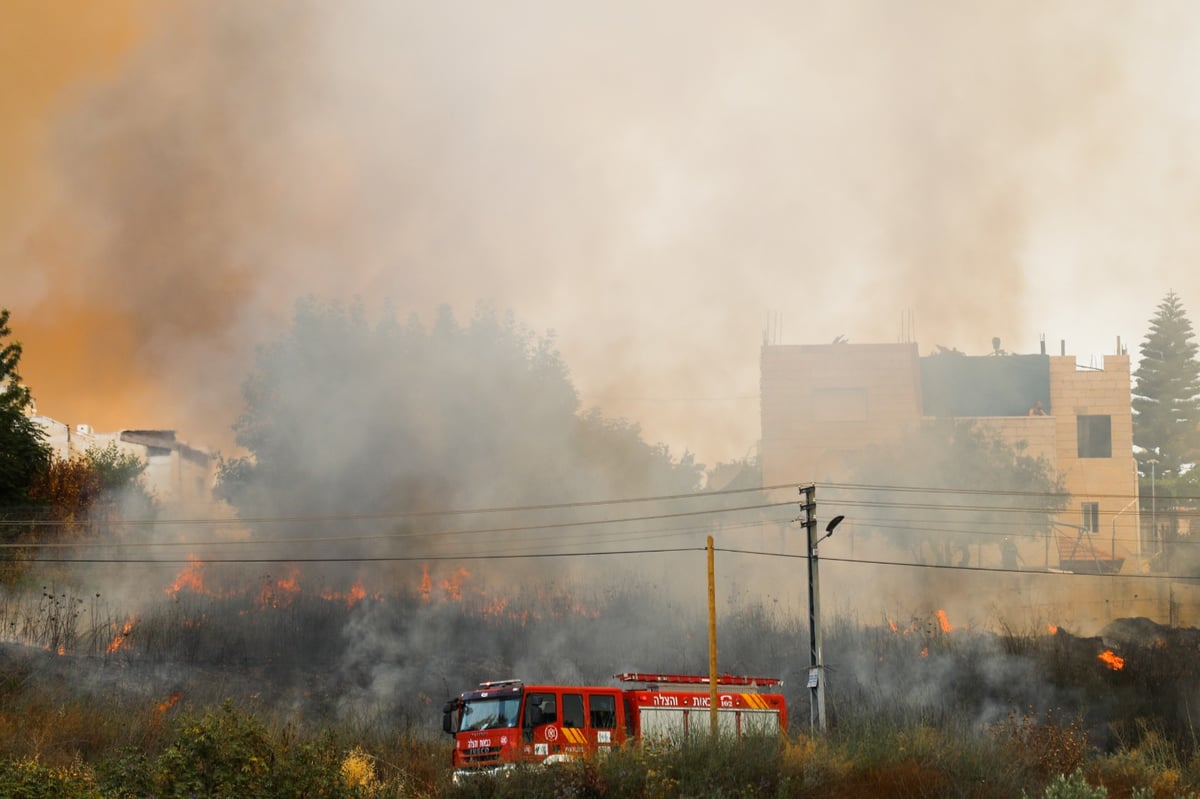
458, 587
190, 577
944, 621
1113, 661
453, 585
168, 703
1053, 628
121, 637
280, 592
352, 597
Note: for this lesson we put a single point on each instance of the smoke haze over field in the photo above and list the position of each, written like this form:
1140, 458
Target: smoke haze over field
649, 182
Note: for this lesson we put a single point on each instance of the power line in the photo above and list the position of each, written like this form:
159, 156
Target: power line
590, 553
390, 536
950, 567
364, 559
383, 515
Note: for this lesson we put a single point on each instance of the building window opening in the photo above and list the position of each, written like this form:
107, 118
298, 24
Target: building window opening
1094, 436
1091, 516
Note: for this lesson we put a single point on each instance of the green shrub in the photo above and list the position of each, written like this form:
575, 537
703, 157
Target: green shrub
29, 778
227, 754
1073, 787
126, 774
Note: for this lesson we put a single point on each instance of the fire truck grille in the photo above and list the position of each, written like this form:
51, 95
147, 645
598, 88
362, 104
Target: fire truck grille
481, 756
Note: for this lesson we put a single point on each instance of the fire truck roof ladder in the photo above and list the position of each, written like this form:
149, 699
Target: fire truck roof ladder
689, 679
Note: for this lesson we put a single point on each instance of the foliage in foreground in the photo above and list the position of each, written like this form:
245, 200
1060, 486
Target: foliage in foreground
228, 751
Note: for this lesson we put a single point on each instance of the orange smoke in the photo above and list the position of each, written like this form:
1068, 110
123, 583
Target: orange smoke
1113, 661
51, 50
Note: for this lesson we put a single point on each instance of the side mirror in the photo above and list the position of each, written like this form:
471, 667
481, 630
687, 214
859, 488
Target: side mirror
448, 717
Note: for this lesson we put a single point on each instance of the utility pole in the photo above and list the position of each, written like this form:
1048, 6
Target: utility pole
712, 643
816, 684
816, 679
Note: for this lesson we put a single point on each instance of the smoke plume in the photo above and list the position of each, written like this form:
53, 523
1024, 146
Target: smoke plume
650, 183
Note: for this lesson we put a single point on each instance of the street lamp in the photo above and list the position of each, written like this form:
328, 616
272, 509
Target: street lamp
816, 684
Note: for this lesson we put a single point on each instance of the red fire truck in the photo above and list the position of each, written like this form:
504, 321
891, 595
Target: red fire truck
506, 722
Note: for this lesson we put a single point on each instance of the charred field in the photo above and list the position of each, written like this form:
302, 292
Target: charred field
327, 653
81, 678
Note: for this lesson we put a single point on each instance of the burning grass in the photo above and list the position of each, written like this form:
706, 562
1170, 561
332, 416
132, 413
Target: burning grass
353, 678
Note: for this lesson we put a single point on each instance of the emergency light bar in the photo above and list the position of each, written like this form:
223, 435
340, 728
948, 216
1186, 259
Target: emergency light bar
690, 679
498, 683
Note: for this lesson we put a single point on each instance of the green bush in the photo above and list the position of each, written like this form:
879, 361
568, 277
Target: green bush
126, 774
29, 778
1073, 787
228, 754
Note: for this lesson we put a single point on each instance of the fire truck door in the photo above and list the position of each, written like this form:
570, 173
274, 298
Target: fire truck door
540, 728
574, 725
602, 720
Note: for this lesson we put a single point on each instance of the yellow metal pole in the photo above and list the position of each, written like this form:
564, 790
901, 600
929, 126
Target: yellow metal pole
712, 642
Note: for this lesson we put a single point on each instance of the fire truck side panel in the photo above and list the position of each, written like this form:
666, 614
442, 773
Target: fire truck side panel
673, 717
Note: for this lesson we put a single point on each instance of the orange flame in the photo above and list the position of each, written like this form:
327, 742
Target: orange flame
924, 651
460, 587
944, 621
1053, 628
1113, 661
453, 585
190, 577
892, 624
168, 703
281, 592
119, 640
352, 597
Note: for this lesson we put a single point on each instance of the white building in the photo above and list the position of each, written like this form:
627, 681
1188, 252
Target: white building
177, 474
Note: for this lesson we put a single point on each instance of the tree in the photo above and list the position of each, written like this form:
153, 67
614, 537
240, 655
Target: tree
1166, 394
345, 417
97, 487
23, 451
963, 486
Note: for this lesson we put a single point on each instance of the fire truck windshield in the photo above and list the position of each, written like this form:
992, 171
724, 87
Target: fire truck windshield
487, 714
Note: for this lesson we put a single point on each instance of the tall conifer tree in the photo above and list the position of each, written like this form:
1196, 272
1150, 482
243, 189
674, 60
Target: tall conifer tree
1166, 393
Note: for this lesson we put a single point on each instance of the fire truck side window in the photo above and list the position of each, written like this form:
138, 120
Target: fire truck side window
572, 710
539, 710
603, 711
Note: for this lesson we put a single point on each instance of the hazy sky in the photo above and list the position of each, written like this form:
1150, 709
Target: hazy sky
655, 182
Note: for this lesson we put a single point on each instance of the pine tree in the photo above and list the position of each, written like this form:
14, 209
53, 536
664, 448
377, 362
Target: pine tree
23, 453
1166, 393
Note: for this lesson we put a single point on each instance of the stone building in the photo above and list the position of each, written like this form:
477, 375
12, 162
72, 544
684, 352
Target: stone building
822, 405
178, 474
